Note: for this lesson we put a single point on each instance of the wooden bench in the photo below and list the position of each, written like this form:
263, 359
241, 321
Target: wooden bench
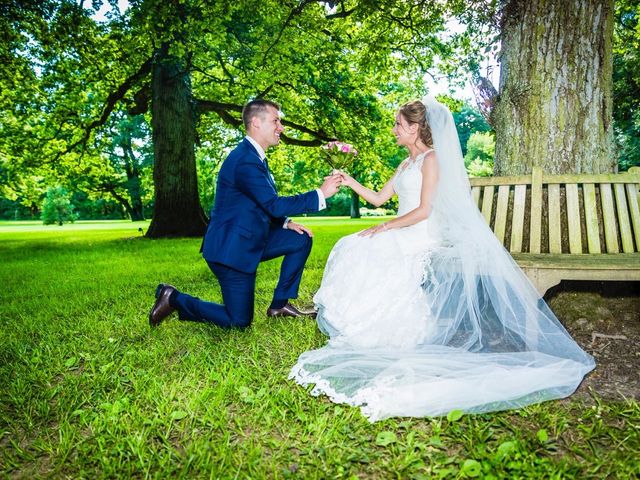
565, 227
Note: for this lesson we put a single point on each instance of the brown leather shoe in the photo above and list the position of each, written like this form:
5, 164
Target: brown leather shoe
161, 308
290, 311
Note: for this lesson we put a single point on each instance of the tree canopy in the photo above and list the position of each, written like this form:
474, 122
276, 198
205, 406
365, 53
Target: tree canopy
336, 67
73, 84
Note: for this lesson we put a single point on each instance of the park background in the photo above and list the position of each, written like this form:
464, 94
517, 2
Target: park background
117, 115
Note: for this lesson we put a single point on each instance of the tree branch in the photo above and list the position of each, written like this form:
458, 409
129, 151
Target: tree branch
316, 142
293, 13
112, 99
223, 110
343, 14
321, 135
111, 189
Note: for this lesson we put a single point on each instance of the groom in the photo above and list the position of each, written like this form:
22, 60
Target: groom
248, 225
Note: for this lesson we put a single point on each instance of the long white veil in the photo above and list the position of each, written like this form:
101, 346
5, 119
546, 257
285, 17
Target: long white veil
496, 344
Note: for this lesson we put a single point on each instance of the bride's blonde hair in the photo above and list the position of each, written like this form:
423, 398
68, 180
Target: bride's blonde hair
416, 112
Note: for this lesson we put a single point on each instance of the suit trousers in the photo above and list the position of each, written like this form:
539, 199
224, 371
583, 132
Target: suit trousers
238, 288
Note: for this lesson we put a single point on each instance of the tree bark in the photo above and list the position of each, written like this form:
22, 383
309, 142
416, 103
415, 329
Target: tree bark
122, 201
176, 210
355, 205
554, 107
134, 188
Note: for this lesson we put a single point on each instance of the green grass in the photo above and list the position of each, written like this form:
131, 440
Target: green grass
88, 390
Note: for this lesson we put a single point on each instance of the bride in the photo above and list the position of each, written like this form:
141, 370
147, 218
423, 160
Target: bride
428, 313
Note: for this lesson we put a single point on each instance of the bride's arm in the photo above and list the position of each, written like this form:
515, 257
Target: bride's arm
374, 198
429, 182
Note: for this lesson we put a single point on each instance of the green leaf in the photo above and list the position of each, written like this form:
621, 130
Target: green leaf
385, 438
542, 435
178, 414
506, 448
436, 442
246, 394
455, 415
70, 362
471, 468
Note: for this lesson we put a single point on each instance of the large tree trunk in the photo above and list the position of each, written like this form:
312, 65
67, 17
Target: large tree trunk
554, 108
176, 210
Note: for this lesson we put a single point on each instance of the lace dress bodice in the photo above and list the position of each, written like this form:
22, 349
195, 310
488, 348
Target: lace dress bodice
408, 185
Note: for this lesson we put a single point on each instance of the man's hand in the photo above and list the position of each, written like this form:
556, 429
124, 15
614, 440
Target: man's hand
331, 185
296, 227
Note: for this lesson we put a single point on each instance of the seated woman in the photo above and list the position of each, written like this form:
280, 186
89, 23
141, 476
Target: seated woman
427, 312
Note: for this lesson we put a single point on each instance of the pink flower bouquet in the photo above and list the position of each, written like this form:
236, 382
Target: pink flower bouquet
339, 155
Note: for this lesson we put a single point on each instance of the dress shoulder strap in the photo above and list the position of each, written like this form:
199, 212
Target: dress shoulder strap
420, 157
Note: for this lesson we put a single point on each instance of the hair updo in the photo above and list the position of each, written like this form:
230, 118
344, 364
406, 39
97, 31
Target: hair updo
416, 112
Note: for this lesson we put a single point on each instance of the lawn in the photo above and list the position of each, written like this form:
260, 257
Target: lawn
88, 390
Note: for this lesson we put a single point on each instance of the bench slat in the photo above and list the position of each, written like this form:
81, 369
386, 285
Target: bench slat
623, 218
608, 217
517, 223
511, 180
475, 193
591, 218
487, 203
573, 218
632, 195
632, 176
578, 178
501, 212
536, 210
555, 239
598, 261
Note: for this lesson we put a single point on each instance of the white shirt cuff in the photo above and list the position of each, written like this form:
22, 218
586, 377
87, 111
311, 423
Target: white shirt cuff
322, 203
285, 225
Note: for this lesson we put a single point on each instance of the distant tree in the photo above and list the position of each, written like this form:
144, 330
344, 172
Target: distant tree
481, 149
468, 121
26, 191
481, 146
57, 207
626, 83
127, 141
478, 168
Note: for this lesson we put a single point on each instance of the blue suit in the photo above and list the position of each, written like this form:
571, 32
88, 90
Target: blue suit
246, 227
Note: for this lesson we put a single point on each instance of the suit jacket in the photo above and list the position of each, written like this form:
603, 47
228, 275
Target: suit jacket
246, 207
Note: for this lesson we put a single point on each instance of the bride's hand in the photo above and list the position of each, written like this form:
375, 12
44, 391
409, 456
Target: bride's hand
371, 231
347, 180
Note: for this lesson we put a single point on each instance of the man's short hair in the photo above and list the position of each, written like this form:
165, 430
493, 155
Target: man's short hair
256, 108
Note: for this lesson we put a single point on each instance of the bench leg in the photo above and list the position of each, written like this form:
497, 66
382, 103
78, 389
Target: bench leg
542, 279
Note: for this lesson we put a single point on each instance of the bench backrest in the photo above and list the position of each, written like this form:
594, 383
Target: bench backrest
572, 214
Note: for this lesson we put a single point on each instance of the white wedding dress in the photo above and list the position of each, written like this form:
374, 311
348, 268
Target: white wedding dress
435, 317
